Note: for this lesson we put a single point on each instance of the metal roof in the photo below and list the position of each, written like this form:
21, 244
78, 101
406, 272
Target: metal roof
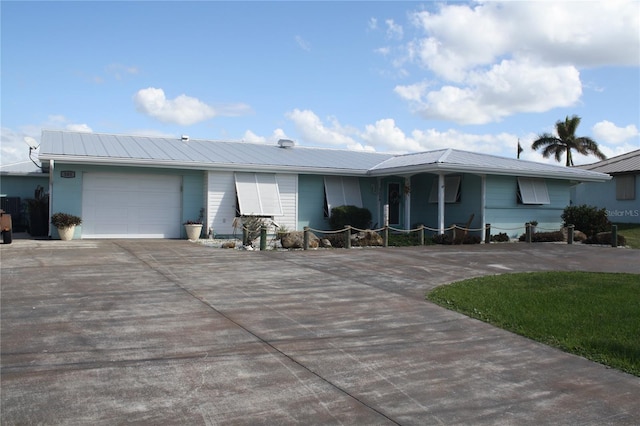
625, 163
75, 147
96, 148
457, 161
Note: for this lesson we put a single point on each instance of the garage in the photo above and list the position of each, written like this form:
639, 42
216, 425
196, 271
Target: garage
116, 205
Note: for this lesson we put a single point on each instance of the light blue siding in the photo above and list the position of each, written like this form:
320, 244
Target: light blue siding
67, 193
426, 213
311, 202
22, 186
505, 214
603, 196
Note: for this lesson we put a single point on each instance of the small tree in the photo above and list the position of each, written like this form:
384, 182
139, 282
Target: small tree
587, 219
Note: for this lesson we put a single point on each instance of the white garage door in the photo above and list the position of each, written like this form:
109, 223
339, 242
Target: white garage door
130, 206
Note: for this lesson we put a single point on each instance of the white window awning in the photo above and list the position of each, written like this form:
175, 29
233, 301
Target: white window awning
451, 190
533, 191
258, 194
342, 191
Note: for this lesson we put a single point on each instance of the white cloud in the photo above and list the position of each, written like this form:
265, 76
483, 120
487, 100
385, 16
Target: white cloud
14, 149
372, 24
608, 132
385, 136
277, 134
302, 43
495, 59
394, 31
314, 131
183, 110
119, 71
78, 128
490, 95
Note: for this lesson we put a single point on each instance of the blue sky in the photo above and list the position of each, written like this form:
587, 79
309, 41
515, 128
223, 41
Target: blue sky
385, 76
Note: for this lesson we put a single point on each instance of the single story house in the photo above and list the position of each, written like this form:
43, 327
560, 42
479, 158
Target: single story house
620, 197
146, 187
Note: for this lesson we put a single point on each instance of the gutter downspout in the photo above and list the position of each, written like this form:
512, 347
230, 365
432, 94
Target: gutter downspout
483, 202
441, 203
51, 174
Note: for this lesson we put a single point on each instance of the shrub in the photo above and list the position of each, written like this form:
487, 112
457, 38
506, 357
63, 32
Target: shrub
448, 239
587, 219
253, 224
545, 237
605, 238
342, 216
500, 238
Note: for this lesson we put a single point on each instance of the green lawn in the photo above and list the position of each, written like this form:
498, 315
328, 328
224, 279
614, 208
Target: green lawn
594, 315
631, 232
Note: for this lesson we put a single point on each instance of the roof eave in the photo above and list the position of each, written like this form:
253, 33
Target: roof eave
129, 162
458, 168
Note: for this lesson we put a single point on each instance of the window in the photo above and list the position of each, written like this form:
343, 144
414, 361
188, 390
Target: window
451, 190
532, 191
341, 191
257, 194
625, 187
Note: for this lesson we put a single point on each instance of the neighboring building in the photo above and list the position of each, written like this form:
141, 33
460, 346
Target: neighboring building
620, 196
146, 187
18, 183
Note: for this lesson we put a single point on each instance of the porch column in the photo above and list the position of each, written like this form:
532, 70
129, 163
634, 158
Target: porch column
483, 200
441, 203
407, 202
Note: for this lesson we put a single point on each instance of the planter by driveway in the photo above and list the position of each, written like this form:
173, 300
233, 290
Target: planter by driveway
171, 332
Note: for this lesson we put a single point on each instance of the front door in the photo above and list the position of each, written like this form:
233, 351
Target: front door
394, 197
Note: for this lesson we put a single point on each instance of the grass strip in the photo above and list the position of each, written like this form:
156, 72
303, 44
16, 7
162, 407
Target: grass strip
594, 315
631, 232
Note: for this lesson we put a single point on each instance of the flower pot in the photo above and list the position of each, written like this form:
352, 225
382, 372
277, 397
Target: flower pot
193, 231
66, 234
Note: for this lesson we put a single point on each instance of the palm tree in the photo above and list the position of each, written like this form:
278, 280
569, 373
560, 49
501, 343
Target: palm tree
566, 141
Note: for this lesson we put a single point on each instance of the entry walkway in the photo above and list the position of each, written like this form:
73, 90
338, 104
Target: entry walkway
171, 332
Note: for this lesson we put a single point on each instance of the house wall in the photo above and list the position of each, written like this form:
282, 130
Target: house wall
221, 204
603, 196
23, 187
67, 192
311, 202
505, 214
426, 213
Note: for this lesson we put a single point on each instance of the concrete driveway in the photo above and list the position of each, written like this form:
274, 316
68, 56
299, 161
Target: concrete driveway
172, 332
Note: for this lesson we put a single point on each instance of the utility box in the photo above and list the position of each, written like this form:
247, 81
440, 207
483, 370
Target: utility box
6, 227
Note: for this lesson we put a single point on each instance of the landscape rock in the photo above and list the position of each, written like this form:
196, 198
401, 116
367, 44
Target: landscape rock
366, 238
295, 239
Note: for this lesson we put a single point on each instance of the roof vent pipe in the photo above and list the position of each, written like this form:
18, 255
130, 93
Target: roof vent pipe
185, 138
286, 143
